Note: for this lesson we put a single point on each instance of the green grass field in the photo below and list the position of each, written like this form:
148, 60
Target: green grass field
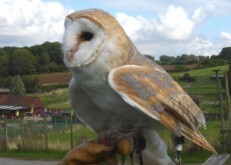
195, 155
203, 72
33, 154
55, 99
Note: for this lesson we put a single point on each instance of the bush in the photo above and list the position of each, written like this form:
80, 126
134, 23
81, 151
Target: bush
31, 83
187, 78
5, 82
17, 86
48, 88
219, 62
181, 68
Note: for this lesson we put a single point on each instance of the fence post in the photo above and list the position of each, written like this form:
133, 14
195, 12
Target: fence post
228, 99
22, 131
6, 137
222, 112
65, 117
217, 81
71, 128
46, 132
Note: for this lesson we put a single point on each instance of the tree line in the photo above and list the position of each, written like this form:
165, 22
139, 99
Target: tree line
43, 58
48, 58
222, 58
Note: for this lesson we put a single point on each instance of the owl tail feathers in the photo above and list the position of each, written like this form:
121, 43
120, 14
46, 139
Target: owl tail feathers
198, 138
183, 129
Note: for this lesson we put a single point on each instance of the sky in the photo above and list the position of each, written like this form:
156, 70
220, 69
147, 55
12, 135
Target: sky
157, 27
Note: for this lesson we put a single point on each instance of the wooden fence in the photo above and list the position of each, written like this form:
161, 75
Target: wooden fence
43, 134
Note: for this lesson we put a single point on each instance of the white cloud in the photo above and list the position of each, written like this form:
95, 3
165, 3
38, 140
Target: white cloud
195, 45
199, 46
226, 35
29, 22
175, 24
200, 14
171, 33
223, 7
130, 24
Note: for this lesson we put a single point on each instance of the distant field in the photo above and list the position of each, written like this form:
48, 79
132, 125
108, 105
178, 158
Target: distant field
204, 72
55, 99
59, 99
170, 68
53, 78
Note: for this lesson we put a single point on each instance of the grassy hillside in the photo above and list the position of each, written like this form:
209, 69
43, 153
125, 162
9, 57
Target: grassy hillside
203, 72
54, 78
55, 99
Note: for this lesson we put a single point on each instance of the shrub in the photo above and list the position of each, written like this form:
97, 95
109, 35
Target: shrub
181, 68
47, 88
31, 83
5, 82
187, 78
17, 86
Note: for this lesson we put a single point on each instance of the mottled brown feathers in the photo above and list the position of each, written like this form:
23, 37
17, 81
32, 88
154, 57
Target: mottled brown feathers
161, 98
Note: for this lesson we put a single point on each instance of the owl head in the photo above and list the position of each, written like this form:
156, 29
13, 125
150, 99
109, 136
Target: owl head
94, 36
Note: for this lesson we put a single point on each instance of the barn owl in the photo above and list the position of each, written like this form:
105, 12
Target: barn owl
113, 84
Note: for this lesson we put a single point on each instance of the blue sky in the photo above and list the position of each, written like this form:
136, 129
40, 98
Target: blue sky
157, 27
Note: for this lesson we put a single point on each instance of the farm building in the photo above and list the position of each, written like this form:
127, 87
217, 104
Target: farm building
213, 77
4, 91
14, 106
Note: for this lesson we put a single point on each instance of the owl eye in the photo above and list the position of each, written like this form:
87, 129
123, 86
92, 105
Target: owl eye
86, 36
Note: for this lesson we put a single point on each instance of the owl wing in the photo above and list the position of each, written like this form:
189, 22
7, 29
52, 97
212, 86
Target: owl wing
153, 91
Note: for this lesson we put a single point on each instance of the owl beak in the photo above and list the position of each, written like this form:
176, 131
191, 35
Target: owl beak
70, 53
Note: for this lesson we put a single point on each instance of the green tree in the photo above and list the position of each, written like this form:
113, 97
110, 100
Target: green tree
193, 59
22, 62
42, 58
225, 53
202, 58
54, 51
184, 58
17, 86
164, 59
5, 81
9, 50
31, 83
3, 63
150, 57
43, 62
208, 62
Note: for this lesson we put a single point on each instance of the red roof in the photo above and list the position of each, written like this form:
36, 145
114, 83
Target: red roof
21, 101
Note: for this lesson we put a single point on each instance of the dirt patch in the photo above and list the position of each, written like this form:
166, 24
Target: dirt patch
54, 78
